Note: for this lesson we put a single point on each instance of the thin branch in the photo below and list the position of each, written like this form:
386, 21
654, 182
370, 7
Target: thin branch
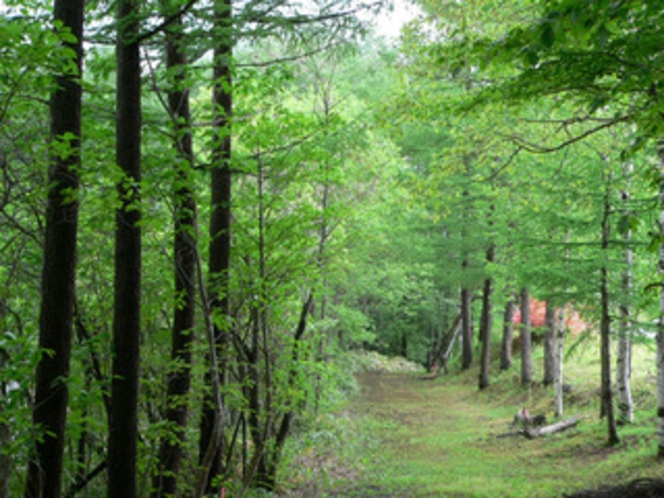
539, 149
82, 482
292, 57
305, 19
166, 22
505, 165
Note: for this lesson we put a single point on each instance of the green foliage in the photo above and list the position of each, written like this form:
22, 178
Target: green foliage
372, 179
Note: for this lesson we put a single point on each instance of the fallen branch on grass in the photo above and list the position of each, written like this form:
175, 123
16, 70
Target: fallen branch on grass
545, 430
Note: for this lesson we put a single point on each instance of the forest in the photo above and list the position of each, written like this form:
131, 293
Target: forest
223, 222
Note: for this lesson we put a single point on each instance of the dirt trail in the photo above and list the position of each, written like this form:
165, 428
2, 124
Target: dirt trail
424, 418
443, 438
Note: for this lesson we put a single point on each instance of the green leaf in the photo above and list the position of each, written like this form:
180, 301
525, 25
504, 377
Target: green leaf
547, 36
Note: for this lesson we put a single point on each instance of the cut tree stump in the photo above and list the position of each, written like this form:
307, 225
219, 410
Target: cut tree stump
551, 429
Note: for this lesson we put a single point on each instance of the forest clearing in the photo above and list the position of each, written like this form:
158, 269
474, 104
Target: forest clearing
438, 437
219, 217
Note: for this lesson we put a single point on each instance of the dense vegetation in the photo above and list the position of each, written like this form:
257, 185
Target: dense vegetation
205, 207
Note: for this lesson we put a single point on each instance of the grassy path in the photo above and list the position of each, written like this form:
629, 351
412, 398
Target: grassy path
442, 438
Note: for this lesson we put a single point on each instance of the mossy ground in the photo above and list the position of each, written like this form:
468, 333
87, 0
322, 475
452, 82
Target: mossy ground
445, 438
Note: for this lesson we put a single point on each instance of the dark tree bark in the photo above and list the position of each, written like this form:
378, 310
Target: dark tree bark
5, 438
59, 269
220, 221
605, 333
126, 313
486, 323
165, 482
508, 332
550, 344
466, 329
287, 420
526, 340
660, 322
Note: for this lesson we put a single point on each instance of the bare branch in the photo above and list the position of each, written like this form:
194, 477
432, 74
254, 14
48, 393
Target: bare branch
540, 149
166, 22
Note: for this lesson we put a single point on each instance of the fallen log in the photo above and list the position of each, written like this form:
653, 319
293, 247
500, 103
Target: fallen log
551, 429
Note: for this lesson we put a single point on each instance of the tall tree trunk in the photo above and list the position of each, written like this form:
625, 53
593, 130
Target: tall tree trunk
259, 401
5, 428
220, 225
486, 322
123, 413
605, 332
322, 246
58, 288
185, 258
526, 340
660, 323
624, 361
550, 344
560, 351
508, 332
466, 329
560, 346
5, 460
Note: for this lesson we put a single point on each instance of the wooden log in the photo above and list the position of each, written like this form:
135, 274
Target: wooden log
552, 429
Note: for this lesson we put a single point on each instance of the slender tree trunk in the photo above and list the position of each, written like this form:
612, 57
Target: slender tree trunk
185, 255
624, 361
287, 420
560, 346
258, 468
486, 323
550, 344
605, 333
123, 431
5, 460
220, 224
660, 323
59, 268
560, 351
466, 329
5, 429
322, 246
526, 339
508, 332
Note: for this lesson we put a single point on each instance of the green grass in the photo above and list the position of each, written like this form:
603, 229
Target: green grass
425, 438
